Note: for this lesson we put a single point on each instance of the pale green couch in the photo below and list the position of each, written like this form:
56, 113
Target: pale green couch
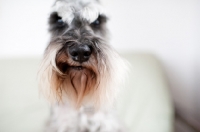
144, 105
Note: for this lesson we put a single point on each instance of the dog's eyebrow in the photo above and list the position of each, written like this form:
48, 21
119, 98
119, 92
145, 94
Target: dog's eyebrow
91, 12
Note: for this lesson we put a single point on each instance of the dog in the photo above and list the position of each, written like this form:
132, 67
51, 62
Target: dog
81, 74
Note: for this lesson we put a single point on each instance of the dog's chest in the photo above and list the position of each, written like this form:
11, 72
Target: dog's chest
64, 119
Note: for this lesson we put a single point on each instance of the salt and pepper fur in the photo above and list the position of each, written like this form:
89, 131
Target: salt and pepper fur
81, 99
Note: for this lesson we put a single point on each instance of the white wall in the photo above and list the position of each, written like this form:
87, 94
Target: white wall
168, 28
23, 27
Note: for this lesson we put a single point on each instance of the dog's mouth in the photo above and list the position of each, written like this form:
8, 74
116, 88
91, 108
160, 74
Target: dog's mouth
65, 67
77, 67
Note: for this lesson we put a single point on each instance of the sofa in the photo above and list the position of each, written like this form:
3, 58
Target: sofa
144, 103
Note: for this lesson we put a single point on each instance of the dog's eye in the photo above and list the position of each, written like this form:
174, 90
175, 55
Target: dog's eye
60, 22
96, 23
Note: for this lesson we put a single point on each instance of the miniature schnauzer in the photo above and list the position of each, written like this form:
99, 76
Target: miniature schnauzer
81, 73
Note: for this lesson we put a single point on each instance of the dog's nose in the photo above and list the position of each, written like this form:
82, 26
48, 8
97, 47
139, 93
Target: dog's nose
80, 53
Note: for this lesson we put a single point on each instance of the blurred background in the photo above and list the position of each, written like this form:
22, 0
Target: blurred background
168, 29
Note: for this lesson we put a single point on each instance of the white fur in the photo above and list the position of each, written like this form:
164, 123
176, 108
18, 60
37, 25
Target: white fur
65, 119
111, 76
88, 10
47, 73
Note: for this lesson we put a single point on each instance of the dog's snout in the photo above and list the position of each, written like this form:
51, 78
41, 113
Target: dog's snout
80, 53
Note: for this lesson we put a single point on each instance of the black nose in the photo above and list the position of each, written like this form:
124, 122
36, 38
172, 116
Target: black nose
80, 53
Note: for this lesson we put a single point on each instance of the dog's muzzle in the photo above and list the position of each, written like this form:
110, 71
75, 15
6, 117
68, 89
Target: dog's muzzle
80, 52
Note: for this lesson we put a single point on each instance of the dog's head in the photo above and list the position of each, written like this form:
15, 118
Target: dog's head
79, 67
